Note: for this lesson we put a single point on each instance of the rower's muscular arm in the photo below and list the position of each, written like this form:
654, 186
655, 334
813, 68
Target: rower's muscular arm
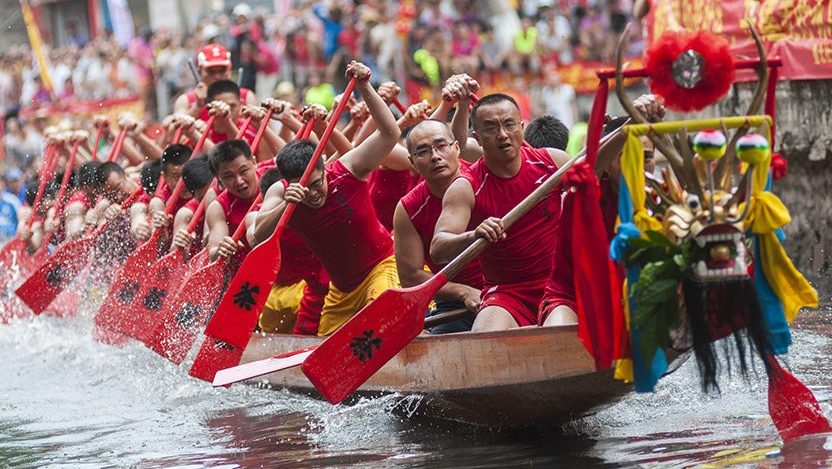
410, 259
217, 228
450, 237
560, 157
273, 206
366, 157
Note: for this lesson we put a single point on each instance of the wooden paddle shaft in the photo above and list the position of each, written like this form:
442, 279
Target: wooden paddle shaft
262, 130
319, 150
98, 133
514, 214
114, 152
243, 128
50, 160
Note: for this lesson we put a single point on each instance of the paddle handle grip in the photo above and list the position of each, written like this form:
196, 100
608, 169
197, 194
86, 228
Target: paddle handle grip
305, 130
262, 130
98, 134
241, 228
116, 150
134, 196
479, 245
243, 128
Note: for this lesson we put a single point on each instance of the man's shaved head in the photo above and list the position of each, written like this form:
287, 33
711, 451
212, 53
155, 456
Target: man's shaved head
431, 126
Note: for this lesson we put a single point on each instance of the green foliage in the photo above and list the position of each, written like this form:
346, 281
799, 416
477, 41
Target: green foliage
663, 266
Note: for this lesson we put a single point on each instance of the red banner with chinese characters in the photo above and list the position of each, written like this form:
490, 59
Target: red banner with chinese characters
797, 31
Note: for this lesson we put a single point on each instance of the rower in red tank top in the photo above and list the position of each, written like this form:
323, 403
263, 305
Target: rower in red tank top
213, 63
233, 165
435, 156
517, 265
334, 216
199, 181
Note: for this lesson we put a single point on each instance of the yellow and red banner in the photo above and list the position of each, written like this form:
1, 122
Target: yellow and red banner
797, 31
35, 42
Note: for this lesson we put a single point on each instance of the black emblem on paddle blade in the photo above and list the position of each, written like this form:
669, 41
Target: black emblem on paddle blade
245, 297
153, 300
219, 344
56, 275
186, 317
127, 292
362, 346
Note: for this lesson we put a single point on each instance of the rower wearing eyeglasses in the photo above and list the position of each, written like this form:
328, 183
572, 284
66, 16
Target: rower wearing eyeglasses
435, 157
517, 265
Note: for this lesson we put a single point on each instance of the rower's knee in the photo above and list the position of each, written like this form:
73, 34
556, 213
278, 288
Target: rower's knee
493, 318
561, 316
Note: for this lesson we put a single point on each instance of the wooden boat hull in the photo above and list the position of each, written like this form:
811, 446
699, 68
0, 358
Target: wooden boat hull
522, 377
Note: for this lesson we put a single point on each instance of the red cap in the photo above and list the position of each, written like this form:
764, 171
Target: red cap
213, 55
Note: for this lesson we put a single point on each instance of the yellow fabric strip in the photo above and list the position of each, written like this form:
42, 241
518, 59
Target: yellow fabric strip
697, 125
632, 170
35, 42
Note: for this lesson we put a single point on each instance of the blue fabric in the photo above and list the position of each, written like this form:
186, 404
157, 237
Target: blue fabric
8, 216
778, 332
331, 31
645, 376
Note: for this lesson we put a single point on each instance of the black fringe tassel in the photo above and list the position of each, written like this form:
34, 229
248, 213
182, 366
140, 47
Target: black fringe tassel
719, 309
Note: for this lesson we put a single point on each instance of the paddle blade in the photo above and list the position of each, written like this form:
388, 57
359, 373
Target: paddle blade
183, 317
214, 355
351, 355
124, 291
246, 295
793, 408
252, 370
162, 282
50, 279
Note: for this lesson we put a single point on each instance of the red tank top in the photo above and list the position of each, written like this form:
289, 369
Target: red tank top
235, 210
79, 197
165, 196
298, 261
264, 166
526, 254
424, 209
387, 187
344, 233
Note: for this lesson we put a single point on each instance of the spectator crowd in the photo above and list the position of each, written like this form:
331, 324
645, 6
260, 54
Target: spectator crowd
297, 54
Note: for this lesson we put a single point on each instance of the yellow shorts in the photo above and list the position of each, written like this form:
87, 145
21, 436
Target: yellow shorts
281, 309
340, 306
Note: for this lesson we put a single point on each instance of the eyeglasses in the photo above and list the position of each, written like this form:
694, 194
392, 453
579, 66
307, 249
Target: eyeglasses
493, 128
426, 152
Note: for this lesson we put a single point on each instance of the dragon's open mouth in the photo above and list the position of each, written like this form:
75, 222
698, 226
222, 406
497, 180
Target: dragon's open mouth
723, 253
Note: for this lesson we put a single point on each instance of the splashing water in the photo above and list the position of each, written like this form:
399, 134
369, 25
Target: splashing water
69, 401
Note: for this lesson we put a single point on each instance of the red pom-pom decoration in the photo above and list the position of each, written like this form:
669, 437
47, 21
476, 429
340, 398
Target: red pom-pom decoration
779, 166
690, 71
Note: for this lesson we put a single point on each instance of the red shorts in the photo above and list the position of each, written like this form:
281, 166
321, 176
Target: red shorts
549, 303
521, 300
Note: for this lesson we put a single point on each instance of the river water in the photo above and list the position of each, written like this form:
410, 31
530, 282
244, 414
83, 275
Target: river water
68, 401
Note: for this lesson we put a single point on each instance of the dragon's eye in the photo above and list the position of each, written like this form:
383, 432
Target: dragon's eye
692, 201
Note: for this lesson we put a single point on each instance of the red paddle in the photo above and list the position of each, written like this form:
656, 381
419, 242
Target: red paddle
792, 406
177, 135
243, 128
164, 277
114, 152
403, 109
127, 279
39, 290
15, 249
232, 325
98, 134
260, 131
40, 255
191, 306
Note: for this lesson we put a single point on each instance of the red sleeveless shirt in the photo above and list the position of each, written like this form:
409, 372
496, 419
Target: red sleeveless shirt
526, 254
344, 233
